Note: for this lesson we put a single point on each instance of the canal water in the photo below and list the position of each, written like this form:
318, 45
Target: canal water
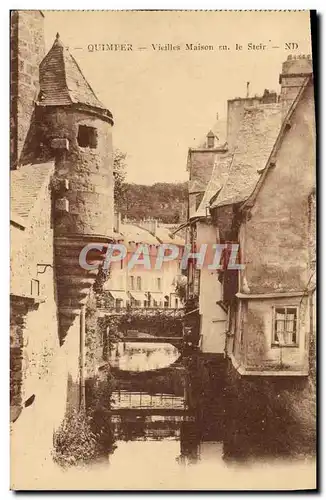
168, 421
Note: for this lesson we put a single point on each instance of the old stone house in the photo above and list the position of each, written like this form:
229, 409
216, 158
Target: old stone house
261, 195
61, 200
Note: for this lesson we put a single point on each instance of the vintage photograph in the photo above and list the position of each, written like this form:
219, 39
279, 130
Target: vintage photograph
163, 250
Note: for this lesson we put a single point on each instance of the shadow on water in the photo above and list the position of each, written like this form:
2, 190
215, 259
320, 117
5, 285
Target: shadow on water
195, 403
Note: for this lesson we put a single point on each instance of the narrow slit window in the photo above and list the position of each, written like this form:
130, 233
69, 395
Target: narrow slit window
131, 282
87, 137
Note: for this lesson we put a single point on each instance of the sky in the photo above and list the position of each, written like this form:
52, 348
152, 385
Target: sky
164, 102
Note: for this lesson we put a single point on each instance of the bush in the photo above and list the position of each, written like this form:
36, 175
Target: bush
74, 443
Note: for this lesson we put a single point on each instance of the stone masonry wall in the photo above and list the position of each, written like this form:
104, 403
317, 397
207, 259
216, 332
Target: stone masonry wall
34, 329
276, 252
89, 171
27, 51
236, 110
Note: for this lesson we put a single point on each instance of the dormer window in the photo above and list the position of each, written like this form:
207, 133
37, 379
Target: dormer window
210, 139
87, 137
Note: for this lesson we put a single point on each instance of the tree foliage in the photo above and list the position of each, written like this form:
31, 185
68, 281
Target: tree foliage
119, 175
181, 289
163, 201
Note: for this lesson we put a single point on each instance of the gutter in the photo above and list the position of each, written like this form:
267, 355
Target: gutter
188, 223
273, 295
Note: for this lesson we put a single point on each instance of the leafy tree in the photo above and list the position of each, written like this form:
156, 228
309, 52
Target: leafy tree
181, 288
119, 175
163, 201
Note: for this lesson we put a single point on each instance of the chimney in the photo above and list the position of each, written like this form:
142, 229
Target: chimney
153, 226
269, 97
210, 139
149, 224
294, 72
117, 222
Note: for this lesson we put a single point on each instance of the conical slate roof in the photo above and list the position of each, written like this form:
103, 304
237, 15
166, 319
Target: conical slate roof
62, 81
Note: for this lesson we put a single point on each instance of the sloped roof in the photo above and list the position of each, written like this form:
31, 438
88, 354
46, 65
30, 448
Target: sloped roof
163, 234
62, 81
133, 233
137, 234
219, 176
25, 186
196, 186
258, 132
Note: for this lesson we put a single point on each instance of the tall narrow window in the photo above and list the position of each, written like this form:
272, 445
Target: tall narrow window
87, 137
159, 284
138, 283
285, 328
131, 282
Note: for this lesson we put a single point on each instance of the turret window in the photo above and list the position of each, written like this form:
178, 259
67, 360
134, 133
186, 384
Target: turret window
87, 137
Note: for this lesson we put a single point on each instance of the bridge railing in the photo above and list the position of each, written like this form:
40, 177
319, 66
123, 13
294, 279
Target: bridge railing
142, 400
143, 311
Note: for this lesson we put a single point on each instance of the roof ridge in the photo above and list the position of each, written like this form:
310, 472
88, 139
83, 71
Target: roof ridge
82, 74
62, 82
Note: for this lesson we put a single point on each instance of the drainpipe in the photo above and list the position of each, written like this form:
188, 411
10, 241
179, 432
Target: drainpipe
82, 359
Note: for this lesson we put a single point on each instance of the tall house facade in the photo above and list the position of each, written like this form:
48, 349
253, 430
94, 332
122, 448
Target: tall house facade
261, 197
266, 206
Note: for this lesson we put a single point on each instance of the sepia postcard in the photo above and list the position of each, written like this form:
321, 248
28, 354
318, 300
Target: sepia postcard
163, 250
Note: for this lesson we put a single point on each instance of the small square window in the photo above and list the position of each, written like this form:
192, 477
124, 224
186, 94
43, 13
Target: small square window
285, 326
87, 137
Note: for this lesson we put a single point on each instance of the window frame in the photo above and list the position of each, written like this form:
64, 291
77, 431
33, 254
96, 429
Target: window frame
89, 132
276, 344
131, 283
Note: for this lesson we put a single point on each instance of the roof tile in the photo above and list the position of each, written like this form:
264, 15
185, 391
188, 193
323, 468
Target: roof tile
257, 135
62, 81
218, 178
25, 185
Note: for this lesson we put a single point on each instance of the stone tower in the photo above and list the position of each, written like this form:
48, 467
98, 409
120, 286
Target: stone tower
74, 127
